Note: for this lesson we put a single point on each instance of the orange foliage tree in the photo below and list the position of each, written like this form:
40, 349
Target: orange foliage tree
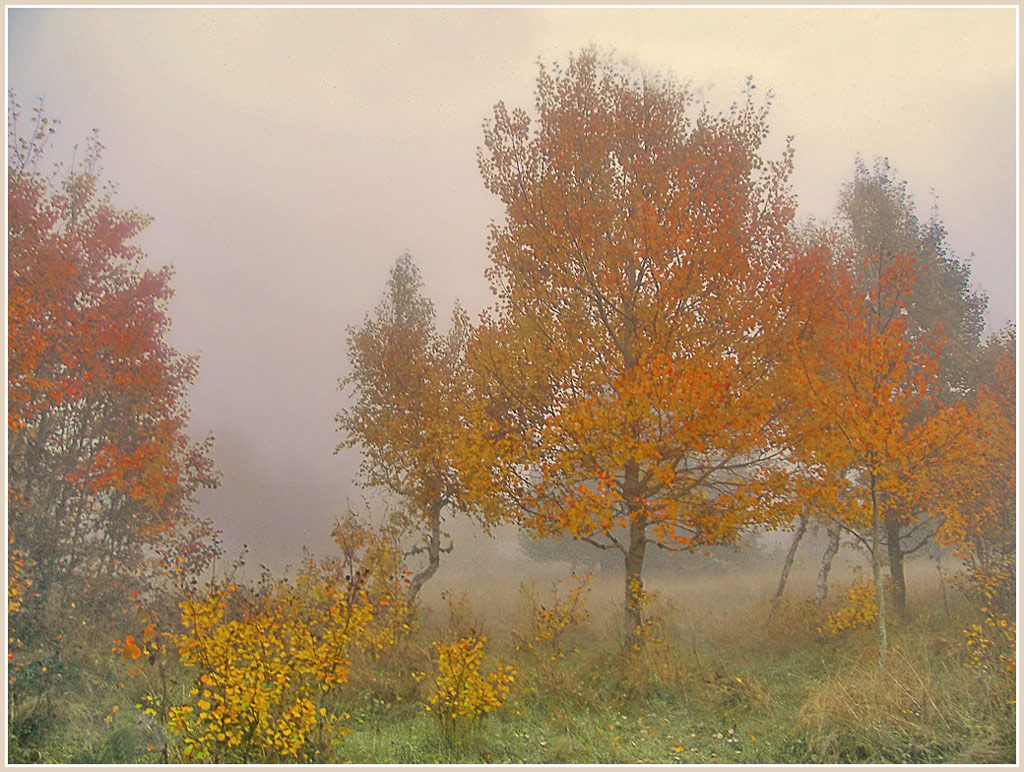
984, 525
874, 435
878, 217
623, 383
408, 381
101, 471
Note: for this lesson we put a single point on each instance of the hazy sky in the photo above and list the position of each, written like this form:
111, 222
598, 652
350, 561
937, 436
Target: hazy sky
288, 156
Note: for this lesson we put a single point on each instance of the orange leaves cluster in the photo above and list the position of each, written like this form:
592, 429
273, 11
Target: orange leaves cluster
100, 463
129, 649
636, 275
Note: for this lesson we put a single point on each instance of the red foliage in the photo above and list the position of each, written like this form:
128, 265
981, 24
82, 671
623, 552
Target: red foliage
100, 464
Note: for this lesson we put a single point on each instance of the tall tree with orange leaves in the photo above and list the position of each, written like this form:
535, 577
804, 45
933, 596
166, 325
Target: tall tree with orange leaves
622, 384
101, 470
879, 220
874, 435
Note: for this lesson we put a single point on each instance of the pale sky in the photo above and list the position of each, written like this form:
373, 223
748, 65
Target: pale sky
289, 156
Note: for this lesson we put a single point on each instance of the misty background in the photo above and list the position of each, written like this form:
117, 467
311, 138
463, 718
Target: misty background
289, 156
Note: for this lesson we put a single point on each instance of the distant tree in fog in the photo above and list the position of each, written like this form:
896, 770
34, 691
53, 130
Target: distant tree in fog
408, 382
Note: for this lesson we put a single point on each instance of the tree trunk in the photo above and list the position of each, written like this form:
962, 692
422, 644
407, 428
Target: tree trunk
433, 551
834, 532
801, 529
876, 570
895, 549
634, 554
634, 579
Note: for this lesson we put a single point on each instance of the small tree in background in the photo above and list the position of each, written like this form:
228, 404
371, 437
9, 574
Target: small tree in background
408, 382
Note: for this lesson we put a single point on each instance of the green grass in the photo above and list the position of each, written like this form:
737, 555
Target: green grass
733, 697
727, 686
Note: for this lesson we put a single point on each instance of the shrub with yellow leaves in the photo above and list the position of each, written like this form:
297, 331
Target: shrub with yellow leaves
550, 622
268, 667
258, 671
993, 643
860, 612
463, 695
372, 565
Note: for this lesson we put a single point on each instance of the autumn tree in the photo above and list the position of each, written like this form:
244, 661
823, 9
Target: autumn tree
408, 381
822, 281
878, 217
876, 436
983, 527
101, 469
622, 383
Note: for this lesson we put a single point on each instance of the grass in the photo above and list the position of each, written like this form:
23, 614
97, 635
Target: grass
725, 686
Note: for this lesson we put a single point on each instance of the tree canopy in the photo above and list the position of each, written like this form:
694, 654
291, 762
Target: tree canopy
408, 381
101, 470
642, 274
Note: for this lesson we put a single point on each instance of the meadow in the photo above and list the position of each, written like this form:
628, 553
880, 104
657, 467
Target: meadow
717, 680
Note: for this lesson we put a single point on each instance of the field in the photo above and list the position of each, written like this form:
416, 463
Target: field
715, 682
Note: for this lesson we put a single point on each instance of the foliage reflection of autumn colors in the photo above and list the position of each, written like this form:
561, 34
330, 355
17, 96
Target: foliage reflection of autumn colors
670, 361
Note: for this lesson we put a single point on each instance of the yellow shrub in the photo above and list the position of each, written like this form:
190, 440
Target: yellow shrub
266, 665
860, 613
462, 694
551, 621
258, 672
993, 643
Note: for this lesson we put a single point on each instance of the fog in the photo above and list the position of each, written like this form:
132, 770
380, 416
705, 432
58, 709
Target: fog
289, 156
